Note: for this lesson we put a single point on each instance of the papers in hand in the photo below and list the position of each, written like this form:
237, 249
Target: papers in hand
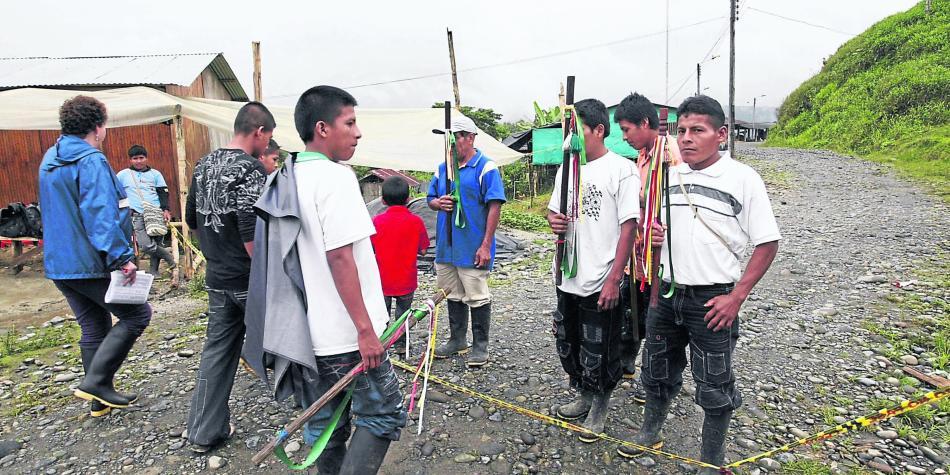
136, 293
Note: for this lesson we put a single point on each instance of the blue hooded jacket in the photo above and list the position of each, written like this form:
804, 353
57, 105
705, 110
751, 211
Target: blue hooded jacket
87, 225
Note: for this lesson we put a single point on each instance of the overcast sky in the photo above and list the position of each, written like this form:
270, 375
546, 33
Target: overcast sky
511, 46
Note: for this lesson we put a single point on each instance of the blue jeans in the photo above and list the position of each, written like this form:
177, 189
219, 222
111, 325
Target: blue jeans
377, 400
676, 323
86, 298
209, 417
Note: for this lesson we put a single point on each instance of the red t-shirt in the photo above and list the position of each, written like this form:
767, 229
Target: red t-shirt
400, 236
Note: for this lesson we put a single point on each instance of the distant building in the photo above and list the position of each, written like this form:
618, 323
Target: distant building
371, 185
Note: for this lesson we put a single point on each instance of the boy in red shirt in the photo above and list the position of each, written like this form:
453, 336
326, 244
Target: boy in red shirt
400, 237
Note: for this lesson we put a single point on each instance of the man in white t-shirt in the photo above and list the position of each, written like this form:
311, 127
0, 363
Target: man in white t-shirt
588, 319
345, 306
717, 206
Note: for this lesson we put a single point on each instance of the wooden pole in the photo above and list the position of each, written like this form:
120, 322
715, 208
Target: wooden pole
256, 52
732, 77
176, 272
455, 78
698, 74
183, 184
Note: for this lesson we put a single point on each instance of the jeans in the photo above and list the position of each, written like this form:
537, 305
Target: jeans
677, 322
147, 244
209, 416
376, 402
403, 303
588, 342
86, 298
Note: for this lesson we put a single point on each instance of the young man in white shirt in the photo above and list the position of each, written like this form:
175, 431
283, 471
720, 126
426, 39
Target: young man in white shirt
717, 206
345, 305
588, 319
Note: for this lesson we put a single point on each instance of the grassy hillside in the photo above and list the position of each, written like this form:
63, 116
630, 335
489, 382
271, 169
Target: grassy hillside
884, 95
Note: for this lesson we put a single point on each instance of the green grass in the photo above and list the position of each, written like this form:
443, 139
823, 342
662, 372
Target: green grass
526, 221
14, 349
196, 287
884, 95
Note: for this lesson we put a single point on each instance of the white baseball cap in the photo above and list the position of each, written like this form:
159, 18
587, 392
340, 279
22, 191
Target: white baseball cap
460, 123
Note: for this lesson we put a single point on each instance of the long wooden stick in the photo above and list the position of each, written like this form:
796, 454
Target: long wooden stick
449, 169
336, 389
662, 160
565, 178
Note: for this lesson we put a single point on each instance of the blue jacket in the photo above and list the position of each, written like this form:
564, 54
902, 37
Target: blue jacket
87, 225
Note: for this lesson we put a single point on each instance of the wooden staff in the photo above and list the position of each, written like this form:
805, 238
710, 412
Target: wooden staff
655, 217
449, 168
336, 389
565, 176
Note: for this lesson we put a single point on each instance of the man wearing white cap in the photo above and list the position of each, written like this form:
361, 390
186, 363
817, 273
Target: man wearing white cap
465, 252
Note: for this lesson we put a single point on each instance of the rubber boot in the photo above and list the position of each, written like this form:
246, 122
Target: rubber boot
365, 454
161, 254
96, 408
576, 409
654, 413
481, 322
715, 428
153, 264
331, 460
97, 384
597, 417
458, 327
628, 358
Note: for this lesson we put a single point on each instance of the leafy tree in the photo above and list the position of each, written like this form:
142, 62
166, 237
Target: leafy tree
485, 119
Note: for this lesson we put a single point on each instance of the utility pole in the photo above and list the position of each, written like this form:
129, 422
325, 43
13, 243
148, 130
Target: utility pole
698, 73
256, 52
733, 6
455, 78
927, 7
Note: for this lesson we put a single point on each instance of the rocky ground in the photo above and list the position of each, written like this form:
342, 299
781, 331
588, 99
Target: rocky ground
824, 338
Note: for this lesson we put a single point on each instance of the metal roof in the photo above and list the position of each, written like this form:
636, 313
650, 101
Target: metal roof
384, 173
153, 70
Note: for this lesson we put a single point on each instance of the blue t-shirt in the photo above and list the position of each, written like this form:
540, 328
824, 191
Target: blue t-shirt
480, 182
147, 181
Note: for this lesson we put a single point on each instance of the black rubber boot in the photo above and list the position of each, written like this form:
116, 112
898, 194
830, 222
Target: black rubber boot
96, 408
161, 254
97, 384
654, 413
628, 358
481, 322
458, 328
715, 428
365, 454
596, 418
576, 409
331, 460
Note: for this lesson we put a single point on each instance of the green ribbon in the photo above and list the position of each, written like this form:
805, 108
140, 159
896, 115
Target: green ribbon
569, 265
459, 219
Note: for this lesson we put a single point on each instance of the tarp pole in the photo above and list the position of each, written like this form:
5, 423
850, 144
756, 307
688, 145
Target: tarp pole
183, 184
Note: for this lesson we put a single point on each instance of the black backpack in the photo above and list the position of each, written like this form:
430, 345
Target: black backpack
19, 220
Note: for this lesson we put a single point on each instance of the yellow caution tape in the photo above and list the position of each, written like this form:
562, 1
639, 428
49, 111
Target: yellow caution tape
854, 424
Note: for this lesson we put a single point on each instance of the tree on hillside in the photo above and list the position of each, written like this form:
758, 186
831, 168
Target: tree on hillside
485, 119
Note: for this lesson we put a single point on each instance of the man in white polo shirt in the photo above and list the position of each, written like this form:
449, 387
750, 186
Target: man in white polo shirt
717, 206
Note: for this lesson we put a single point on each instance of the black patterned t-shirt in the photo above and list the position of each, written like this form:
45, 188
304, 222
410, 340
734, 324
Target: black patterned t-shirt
220, 208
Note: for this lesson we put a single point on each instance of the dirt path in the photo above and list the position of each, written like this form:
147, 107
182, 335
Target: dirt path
823, 338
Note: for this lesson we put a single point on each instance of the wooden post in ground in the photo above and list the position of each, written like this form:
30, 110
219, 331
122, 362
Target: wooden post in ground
183, 184
176, 272
455, 78
256, 52
732, 77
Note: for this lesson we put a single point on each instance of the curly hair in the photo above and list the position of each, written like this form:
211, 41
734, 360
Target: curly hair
81, 115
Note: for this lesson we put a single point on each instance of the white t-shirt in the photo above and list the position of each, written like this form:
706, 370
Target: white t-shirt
610, 196
731, 198
332, 216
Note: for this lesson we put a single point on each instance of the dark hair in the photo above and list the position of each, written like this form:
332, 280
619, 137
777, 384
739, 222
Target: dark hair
319, 104
395, 191
253, 116
634, 108
703, 105
271, 147
137, 150
81, 115
593, 113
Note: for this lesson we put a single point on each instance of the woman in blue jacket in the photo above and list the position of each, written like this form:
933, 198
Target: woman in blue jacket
86, 235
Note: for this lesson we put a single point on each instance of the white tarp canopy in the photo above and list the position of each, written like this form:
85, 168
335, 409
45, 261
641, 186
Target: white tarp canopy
401, 139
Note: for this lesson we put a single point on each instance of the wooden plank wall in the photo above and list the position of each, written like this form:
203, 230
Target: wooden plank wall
24, 149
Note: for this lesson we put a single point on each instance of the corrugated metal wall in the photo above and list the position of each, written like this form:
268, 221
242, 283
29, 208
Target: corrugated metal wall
21, 152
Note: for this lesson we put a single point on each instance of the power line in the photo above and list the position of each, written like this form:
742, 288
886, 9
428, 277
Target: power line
796, 20
524, 60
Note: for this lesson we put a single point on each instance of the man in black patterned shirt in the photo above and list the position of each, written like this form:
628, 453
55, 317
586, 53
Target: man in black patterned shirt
224, 187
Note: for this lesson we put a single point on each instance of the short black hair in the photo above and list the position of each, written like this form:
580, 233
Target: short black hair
319, 104
395, 191
634, 108
703, 105
593, 113
81, 115
252, 116
271, 147
137, 150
